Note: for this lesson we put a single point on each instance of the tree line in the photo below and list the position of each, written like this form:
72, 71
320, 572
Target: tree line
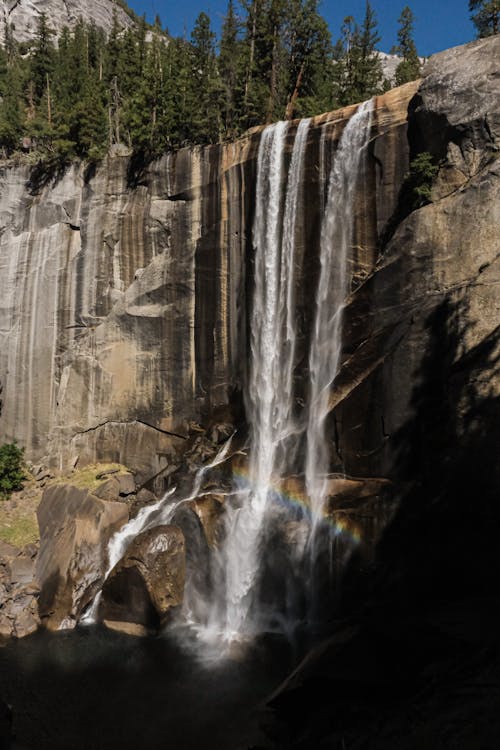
79, 95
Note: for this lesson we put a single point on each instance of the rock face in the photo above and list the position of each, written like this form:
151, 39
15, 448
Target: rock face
23, 15
123, 312
426, 319
126, 290
147, 583
75, 527
18, 592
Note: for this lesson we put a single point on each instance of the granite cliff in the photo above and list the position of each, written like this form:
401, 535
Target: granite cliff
125, 288
22, 16
125, 319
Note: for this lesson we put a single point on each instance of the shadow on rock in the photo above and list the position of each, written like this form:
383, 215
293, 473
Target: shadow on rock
415, 660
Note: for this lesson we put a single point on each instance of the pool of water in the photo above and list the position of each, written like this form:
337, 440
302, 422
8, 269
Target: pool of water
93, 689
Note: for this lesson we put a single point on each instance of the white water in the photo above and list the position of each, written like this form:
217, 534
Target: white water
269, 400
232, 611
335, 243
148, 517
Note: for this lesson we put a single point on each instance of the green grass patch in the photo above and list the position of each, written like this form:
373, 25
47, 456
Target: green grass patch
18, 531
86, 477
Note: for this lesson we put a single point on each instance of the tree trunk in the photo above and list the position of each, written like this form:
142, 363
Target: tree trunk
290, 107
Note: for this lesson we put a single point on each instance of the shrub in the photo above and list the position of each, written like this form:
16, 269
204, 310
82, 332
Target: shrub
423, 172
11, 469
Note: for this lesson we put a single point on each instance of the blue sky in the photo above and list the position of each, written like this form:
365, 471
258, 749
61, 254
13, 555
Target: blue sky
440, 23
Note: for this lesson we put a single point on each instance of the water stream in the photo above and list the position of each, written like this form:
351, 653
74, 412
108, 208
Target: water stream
326, 344
232, 609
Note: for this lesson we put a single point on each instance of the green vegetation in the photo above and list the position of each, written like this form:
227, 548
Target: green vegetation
486, 16
79, 95
11, 469
409, 68
19, 530
86, 478
423, 172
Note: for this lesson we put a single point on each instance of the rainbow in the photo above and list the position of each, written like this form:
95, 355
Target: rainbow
298, 501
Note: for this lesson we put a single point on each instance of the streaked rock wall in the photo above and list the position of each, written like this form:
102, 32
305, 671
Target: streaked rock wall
125, 293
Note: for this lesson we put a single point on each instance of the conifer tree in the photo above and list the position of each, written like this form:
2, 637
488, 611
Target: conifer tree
11, 116
485, 15
42, 57
359, 70
368, 68
309, 63
409, 68
230, 58
205, 90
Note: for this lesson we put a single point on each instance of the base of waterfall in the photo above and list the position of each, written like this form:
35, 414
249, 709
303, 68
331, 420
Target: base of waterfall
95, 688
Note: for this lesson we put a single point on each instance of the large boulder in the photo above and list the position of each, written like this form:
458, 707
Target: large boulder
75, 528
147, 583
18, 592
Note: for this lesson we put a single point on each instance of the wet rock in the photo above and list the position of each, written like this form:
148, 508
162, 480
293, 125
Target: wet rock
221, 432
145, 497
75, 527
136, 502
209, 510
147, 583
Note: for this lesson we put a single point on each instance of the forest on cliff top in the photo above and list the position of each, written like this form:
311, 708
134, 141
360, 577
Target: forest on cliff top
82, 93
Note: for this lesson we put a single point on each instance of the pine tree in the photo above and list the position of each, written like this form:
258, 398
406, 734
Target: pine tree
359, 70
486, 16
205, 90
309, 63
11, 115
368, 69
230, 59
409, 68
42, 57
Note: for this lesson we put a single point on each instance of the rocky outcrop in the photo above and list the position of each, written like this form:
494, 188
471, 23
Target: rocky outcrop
22, 16
427, 316
18, 591
75, 527
147, 583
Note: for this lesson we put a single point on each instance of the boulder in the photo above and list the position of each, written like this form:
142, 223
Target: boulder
127, 484
75, 528
136, 502
18, 593
208, 509
147, 583
109, 490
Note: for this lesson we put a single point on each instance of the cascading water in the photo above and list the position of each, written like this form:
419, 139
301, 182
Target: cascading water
231, 610
158, 513
269, 402
324, 358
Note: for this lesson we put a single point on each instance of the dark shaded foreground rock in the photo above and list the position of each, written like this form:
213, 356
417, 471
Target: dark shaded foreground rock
5, 725
147, 583
96, 689
75, 527
18, 591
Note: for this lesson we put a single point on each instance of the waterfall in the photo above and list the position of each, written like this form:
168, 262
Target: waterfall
232, 609
161, 512
269, 400
324, 358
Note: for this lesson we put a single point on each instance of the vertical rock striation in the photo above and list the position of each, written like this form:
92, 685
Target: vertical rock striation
124, 291
123, 313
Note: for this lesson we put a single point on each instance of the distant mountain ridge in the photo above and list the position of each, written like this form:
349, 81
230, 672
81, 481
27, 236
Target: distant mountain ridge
390, 63
23, 15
